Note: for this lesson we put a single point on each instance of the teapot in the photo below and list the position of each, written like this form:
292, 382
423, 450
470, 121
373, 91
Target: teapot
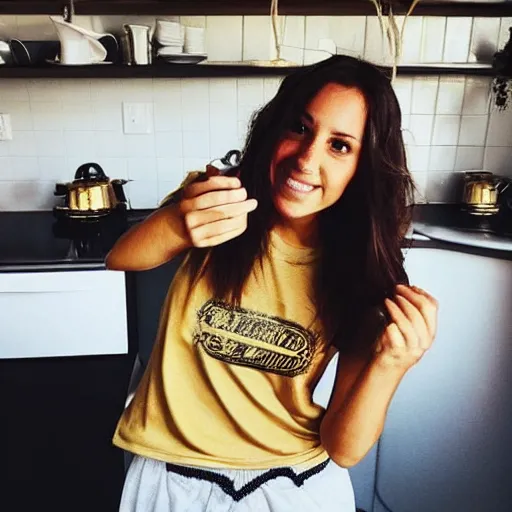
481, 192
91, 193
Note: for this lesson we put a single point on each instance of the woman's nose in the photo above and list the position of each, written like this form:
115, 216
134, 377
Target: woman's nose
309, 157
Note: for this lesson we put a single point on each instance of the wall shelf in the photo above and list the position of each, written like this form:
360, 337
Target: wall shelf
161, 70
252, 7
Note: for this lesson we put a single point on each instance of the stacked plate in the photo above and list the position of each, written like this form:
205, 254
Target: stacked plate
179, 44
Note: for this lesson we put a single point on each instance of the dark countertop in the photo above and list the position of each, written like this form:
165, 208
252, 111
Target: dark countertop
37, 241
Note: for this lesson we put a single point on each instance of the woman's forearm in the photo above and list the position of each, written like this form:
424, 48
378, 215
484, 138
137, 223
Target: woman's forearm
349, 431
151, 243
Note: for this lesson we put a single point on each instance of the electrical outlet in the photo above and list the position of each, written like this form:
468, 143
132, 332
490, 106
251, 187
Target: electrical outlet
5, 127
137, 117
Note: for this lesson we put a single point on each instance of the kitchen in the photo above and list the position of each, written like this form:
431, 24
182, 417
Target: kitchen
186, 116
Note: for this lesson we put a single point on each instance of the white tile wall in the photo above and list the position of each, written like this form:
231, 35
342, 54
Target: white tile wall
449, 124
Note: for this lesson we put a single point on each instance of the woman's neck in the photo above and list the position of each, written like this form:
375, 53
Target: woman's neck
298, 232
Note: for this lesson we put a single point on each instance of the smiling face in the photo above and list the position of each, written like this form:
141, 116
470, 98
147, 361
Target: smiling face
315, 160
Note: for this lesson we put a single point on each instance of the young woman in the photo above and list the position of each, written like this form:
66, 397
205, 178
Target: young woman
297, 258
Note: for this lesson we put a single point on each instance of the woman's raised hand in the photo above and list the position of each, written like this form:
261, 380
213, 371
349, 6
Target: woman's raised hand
215, 210
412, 329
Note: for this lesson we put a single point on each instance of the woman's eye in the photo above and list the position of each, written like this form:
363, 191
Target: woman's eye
299, 127
340, 146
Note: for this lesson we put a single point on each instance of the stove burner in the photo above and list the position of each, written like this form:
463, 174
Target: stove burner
88, 238
499, 224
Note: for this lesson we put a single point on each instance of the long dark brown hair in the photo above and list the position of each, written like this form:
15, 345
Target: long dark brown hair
360, 235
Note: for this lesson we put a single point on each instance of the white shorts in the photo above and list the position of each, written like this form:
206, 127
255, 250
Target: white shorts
154, 486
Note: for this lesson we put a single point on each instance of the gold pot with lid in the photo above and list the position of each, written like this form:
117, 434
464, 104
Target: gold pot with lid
481, 192
91, 193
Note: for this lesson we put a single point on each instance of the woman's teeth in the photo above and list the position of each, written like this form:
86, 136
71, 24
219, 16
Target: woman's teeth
297, 185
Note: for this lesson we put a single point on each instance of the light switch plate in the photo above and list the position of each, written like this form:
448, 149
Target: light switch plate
137, 117
5, 127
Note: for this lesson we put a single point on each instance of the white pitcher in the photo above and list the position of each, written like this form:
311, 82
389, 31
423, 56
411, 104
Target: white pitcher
78, 45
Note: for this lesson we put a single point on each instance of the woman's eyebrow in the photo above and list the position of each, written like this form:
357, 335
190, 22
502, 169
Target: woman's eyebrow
337, 133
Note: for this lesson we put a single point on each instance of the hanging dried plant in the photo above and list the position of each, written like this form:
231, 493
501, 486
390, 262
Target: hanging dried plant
501, 84
389, 29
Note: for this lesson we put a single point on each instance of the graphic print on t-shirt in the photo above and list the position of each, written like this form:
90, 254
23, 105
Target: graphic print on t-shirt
248, 338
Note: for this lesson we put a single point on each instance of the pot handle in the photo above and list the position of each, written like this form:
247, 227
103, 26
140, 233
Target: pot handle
505, 182
61, 189
90, 171
117, 185
227, 159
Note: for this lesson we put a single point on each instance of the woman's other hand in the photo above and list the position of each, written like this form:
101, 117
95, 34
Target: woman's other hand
215, 210
412, 330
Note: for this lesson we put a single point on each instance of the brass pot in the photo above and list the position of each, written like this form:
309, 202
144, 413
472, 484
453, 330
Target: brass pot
481, 192
91, 192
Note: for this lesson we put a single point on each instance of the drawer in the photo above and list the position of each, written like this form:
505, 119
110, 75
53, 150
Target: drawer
51, 314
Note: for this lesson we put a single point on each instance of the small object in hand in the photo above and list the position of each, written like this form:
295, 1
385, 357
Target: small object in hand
211, 170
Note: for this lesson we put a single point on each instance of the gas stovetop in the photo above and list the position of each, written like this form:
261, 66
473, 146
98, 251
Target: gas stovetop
451, 223
499, 224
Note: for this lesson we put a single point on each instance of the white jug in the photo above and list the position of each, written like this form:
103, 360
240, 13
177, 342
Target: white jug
78, 45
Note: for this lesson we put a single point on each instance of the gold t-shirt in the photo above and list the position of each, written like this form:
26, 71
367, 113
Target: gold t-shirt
232, 387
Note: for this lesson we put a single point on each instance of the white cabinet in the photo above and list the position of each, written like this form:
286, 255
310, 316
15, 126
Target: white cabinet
447, 442
75, 313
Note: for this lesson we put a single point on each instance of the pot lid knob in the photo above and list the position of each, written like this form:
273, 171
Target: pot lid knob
90, 172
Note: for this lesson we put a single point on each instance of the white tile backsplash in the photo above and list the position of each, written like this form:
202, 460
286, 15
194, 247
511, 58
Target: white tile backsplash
80, 143
469, 158
142, 168
432, 41
21, 113
4, 149
457, 39
14, 90
142, 193
224, 38
375, 46
473, 130
250, 91
47, 115
23, 143
257, 38
25, 168
55, 168
477, 96
484, 39
196, 144
424, 95
417, 158
500, 128
420, 127
444, 187
114, 167
77, 117
50, 143
170, 170
293, 30
449, 124
450, 95
446, 130
442, 158
420, 183
497, 160
107, 116
403, 90
169, 144
412, 38
348, 32
223, 90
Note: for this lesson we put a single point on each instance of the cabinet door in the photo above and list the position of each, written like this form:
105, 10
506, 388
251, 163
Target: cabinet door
53, 314
446, 442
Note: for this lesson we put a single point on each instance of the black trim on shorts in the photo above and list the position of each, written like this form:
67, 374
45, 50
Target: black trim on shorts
227, 485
